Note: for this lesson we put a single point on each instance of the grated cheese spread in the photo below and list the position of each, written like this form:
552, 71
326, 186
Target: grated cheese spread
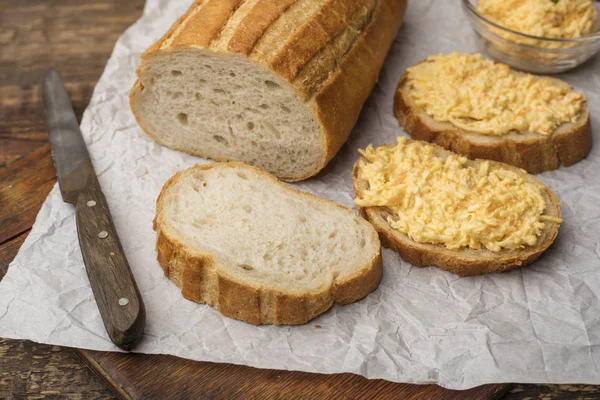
448, 202
543, 18
485, 97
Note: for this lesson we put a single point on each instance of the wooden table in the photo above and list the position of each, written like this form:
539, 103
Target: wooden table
76, 37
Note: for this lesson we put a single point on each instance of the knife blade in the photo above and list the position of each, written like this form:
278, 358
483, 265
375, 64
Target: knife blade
113, 285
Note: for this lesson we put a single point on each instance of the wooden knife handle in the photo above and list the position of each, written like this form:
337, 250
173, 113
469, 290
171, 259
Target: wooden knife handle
113, 284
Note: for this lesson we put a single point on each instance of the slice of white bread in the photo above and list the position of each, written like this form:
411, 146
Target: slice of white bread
464, 261
278, 84
532, 152
233, 236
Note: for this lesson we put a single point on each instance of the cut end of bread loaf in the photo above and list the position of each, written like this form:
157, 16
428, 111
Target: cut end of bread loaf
464, 261
227, 108
234, 237
532, 152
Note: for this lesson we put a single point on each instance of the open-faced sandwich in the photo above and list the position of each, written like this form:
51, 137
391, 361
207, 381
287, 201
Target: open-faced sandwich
483, 109
469, 217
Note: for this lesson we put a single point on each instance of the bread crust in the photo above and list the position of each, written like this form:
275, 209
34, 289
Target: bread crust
534, 153
464, 261
335, 101
203, 280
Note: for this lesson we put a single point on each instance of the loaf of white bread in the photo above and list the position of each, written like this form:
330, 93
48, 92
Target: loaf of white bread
278, 84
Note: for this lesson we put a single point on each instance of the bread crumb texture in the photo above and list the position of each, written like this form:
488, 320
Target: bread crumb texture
235, 237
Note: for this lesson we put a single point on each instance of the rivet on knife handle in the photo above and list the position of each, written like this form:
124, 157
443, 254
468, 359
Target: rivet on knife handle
111, 279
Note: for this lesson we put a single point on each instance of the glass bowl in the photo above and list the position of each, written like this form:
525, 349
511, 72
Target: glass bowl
530, 53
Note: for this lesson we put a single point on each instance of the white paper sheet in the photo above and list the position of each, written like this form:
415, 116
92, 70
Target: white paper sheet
422, 325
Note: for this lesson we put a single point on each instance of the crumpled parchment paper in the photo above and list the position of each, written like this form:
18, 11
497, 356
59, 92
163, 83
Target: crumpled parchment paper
422, 325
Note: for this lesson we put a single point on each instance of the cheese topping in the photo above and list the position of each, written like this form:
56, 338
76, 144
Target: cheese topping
447, 202
481, 96
543, 18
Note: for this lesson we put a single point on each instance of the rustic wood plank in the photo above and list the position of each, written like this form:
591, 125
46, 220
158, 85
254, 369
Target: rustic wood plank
9, 250
553, 392
74, 36
11, 149
24, 186
37, 371
150, 377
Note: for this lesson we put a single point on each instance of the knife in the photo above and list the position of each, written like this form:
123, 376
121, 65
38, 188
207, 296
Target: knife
113, 284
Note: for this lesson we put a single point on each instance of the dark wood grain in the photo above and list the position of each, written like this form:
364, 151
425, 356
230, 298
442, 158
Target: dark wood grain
24, 184
107, 267
76, 38
9, 250
553, 392
37, 371
21, 192
189, 379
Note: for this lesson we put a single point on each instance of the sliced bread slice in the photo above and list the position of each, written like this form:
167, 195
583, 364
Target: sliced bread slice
533, 152
464, 261
233, 236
